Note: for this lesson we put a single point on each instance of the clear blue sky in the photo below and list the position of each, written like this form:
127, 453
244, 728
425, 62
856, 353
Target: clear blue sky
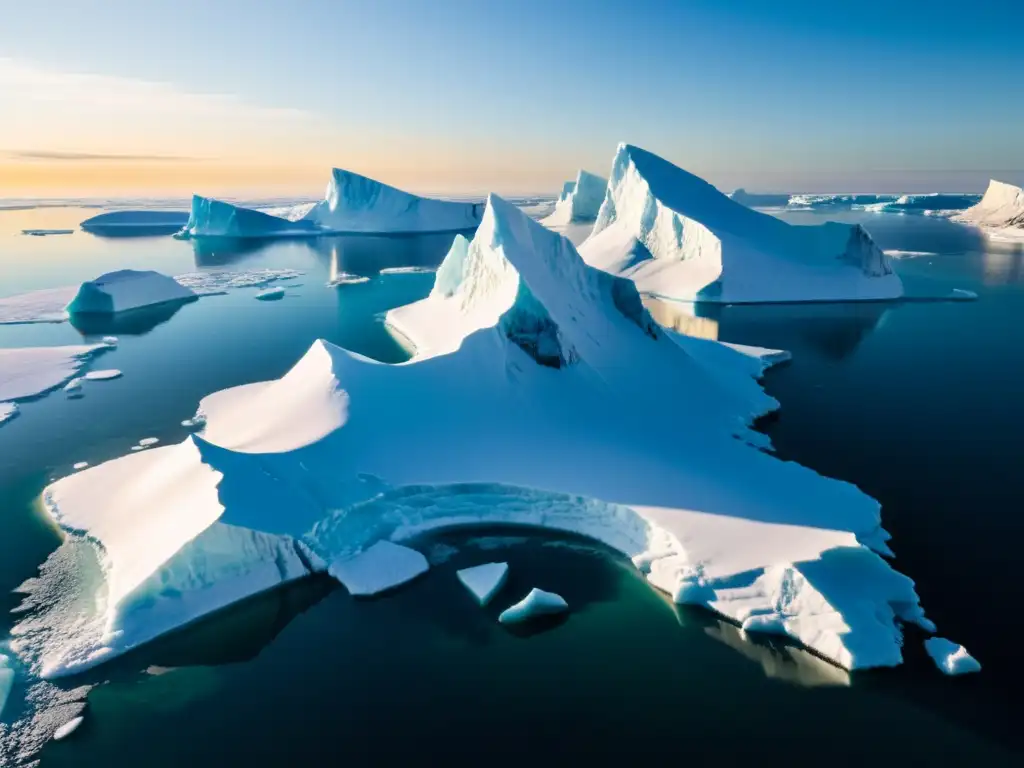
516, 95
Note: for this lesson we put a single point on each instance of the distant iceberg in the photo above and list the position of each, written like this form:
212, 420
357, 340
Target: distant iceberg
931, 204
1000, 213
760, 199
359, 205
127, 289
135, 223
677, 237
216, 218
580, 200
541, 393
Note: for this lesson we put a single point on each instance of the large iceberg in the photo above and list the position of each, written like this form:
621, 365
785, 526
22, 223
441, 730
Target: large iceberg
580, 200
677, 237
357, 204
216, 218
541, 393
1000, 212
127, 289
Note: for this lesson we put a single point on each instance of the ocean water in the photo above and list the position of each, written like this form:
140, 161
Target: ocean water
913, 402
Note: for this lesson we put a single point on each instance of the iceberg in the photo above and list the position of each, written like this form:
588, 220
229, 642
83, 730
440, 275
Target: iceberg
127, 289
949, 657
677, 237
381, 567
537, 603
760, 199
135, 223
1000, 213
580, 200
540, 393
270, 294
484, 581
355, 204
216, 218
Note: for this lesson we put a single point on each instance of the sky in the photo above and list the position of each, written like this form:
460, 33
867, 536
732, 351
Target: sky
262, 97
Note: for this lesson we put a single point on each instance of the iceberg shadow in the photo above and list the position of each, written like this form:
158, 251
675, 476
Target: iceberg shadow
132, 322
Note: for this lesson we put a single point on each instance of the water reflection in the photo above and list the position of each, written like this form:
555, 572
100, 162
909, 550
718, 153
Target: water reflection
133, 322
369, 254
1003, 263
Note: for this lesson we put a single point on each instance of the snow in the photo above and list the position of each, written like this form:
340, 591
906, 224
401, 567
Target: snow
517, 408
357, 204
951, 658
270, 294
216, 218
127, 289
144, 222
679, 238
537, 603
45, 306
68, 728
1000, 211
484, 581
8, 411
44, 232
580, 200
104, 375
27, 372
380, 567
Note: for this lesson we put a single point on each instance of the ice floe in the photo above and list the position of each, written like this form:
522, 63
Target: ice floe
541, 393
142, 222
380, 567
485, 580
104, 375
125, 290
679, 238
45, 306
536, 604
220, 281
8, 411
951, 658
80, 465
68, 728
270, 294
28, 372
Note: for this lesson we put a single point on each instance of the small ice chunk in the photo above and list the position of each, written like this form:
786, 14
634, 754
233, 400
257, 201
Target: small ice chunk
950, 658
148, 441
68, 728
271, 294
80, 465
962, 294
484, 581
110, 373
8, 411
44, 232
537, 603
110, 341
75, 385
380, 567
346, 278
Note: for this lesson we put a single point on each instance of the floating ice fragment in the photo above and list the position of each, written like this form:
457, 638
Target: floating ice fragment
8, 411
110, 341
44, 232
407, 270
484, 581
537, 603
80, 465
74, 386
219, 281
949, 657
270, 294
346, 278
148, 441
104, 375
68, 728
45, 306
145, 222
382, 566
27, 372
962, 294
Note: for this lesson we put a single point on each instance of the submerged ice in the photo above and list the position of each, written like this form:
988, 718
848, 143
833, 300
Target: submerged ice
542, 393
677, 237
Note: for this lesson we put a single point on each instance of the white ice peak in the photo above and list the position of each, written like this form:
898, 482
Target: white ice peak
1002, 207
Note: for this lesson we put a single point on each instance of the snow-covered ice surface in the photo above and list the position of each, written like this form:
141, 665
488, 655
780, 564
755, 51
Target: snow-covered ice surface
677, 237
357, 204
8, 411
68, 728
140, 222
216, 218
541, 393
1000, 213
28, 372
45, 306
580, 200
125, 290
951, 658
536, 604
485, 580
378, 568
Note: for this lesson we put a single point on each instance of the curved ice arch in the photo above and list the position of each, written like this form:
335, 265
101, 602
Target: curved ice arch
678, 237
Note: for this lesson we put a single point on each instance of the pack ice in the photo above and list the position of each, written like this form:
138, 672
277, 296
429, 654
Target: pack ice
580, 200
1000, 213
677, 237
28, 372
541, 393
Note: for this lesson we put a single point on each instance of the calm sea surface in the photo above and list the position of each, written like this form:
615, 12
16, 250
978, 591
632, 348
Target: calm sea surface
916, 403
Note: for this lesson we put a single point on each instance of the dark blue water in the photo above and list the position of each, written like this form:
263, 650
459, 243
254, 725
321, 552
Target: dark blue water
915, 403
